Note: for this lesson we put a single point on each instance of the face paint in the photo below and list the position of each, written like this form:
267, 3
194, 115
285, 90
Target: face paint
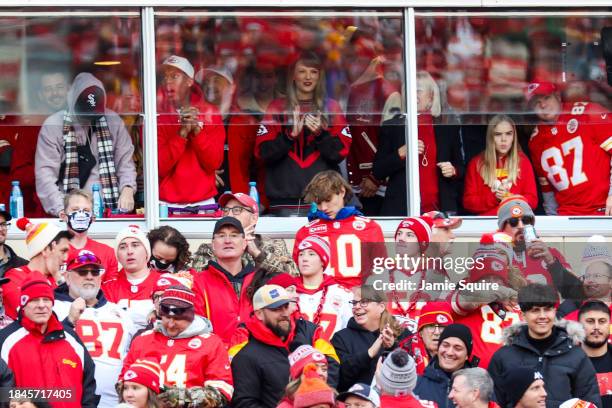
79, 221
155, 263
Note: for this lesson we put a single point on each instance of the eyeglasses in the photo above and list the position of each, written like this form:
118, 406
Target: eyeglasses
5, 225
594, 276
527, 220
84, 272
362, 302
434, 328
235, 210
173, 311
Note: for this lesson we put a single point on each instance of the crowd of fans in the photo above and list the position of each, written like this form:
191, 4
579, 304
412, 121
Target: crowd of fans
246, 323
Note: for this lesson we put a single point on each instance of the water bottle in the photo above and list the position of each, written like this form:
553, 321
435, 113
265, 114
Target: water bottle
253, 192
98, 202
16, 202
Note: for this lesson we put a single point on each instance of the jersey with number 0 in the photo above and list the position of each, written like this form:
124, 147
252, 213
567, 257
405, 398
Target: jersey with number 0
354, 241
572, 158
106, 331
335, 312
487, 331
195, 361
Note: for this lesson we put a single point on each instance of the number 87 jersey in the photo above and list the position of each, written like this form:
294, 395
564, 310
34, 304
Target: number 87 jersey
572, 158
354, 241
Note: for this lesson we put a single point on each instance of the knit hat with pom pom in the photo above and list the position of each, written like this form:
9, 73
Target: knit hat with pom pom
40, 236
313, 390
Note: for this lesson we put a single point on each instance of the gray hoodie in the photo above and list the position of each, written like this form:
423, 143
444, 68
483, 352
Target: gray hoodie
50, 152
199, 326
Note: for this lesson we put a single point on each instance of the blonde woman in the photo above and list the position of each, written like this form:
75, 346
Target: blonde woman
300, 136
501, 170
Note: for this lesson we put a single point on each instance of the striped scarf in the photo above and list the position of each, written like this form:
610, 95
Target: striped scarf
106, 164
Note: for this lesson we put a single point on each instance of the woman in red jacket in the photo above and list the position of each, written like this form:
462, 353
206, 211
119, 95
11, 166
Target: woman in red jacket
501, 170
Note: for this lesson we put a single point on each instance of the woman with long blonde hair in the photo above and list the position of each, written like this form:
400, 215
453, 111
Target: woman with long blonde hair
300, 136
501, 170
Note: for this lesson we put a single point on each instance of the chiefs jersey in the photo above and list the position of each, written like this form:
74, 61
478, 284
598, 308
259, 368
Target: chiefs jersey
106, 331
335, 309
135, 298
534, 269
487, 330
198, 360
572, 158
354, 241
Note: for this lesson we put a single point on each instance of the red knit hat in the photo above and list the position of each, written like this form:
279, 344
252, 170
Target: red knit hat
494, 265
144, 372
435, 313
421, 226
313, 390
166, 280
317, 244
303, 355
491, 244
180, 296
283, 280
35, 286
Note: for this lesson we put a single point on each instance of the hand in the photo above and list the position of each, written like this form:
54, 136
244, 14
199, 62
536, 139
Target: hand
313, 122
538, 249
77, 307
218, 180
421, 146
298, 123
402, 152
501, 192
126, 199
368, 188
388, 338
609, 205
249, 234
375, 348
447, 169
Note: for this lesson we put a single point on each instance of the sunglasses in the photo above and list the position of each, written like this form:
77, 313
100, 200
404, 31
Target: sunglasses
527, 220
84, 272
173, 311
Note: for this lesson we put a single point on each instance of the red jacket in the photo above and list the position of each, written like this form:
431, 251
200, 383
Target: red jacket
187, 166
56, 359
221, 305
406, 401
102, 251
194, 358
478, 197
11, 291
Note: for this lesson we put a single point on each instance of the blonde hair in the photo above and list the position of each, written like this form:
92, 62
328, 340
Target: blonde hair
311, 60
77, 193
488, 164
425, 81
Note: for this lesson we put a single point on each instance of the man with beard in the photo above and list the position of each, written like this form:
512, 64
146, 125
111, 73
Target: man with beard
261, 366
596, 265
538, 262
594, 316
104, 327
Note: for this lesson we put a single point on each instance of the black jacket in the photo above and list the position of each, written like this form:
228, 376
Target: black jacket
435, 384
567, 371
352, 344
388, 164
13, 262
262, 370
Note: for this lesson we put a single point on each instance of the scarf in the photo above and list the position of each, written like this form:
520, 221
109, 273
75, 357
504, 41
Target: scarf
344, 213
106, 164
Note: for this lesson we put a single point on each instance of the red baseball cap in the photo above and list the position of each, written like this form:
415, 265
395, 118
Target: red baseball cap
242, 198
441, 220
539, 88
82, 258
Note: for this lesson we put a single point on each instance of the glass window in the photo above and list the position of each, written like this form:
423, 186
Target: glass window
527, 97
275, 98
70, 111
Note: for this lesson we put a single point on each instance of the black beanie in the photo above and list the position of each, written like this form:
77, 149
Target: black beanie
517, 380
461, 331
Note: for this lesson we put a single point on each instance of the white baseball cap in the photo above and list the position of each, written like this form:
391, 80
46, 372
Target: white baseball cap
270, 297
180, 63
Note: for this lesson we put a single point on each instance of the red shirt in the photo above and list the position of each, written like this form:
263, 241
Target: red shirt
102, 251
221, 305
405, 401
11, 291
534, 269
572, 158
478, 197
428, 170
197, 361
355, 241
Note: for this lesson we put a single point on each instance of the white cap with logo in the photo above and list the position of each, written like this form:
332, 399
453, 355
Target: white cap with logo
180, 63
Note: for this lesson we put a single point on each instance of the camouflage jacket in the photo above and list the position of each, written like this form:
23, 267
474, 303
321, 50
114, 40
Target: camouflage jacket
274, 256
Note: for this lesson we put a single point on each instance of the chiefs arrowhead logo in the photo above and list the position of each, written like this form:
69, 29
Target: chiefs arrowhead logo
347, 132
532, 87
129, 375
263, 130
441, 319
572, 126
